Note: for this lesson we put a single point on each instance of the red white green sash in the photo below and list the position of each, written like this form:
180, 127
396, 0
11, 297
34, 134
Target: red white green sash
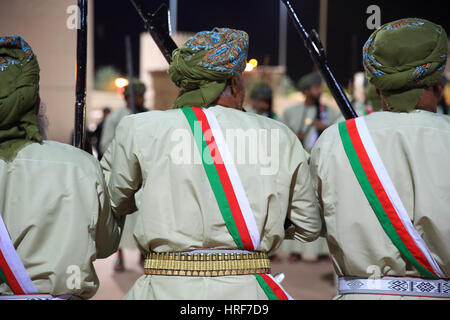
11, 267
272, 288
227, 188
224, 178
383, 197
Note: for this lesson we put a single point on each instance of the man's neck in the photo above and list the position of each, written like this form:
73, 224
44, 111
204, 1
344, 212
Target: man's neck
228, 103
310, 102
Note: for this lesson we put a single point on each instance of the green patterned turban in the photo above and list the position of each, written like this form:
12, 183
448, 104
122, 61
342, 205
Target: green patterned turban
403, 57
261, 91
205, 63
19, 86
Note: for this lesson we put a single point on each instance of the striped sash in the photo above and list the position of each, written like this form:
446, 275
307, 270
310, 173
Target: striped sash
227, 188
383, 197
12, 269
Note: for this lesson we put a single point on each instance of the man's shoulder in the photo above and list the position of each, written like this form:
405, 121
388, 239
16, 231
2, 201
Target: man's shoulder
247, 120
399, 121
386, 123
53, 152
159, 123
294, 108
117, 115
159, 118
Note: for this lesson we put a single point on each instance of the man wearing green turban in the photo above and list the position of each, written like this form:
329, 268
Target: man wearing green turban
210, 184
307, 120
53, 199
261, 100
383, 179
111, 123
310, 118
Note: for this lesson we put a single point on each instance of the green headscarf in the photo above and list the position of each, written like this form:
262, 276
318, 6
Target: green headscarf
204, 64
311, 79
139, 88
19, 86
261, 91
403, 57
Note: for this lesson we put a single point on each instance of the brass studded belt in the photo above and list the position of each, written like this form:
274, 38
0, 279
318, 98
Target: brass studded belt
207, 263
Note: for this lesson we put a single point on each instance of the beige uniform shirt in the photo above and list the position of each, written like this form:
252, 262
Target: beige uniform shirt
415, 150
54, 203
177, 210
109, 128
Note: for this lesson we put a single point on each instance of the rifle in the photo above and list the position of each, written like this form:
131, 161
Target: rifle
157, 24
317, 52
80, 91
131, 88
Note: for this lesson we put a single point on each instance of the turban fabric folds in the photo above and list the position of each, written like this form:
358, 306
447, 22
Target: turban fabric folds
19, 86
204, 64
403, 57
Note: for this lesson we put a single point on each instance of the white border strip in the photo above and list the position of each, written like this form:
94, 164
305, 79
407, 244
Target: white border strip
281, 287
400, 286
31, 297
234, 178
14, 262
389, 187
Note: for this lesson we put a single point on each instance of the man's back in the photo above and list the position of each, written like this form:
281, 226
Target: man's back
414, 150
54, 204
155, 154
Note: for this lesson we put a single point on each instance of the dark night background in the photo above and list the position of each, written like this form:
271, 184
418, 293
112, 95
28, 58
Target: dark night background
347, 31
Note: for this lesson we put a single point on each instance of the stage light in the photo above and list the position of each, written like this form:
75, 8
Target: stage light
121, 82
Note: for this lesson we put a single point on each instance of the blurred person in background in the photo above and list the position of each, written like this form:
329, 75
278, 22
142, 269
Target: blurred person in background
109, 130
308, 120
261, 100
97, 134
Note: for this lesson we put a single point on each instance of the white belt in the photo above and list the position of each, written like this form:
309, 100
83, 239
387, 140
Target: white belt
215, 251
34, 297
399, 286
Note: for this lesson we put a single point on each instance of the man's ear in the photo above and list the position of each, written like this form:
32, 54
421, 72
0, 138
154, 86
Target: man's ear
384, 104
37, 105
378, 92
438, 91
236, 85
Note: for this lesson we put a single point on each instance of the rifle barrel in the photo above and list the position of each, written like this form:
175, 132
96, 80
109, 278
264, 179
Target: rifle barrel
80, 104
319, 57
131, 88
157, 25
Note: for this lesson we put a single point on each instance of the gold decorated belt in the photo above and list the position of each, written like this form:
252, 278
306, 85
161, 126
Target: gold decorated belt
207, 263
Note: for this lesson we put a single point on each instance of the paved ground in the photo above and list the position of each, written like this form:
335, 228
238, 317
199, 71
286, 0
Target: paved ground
304, 280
